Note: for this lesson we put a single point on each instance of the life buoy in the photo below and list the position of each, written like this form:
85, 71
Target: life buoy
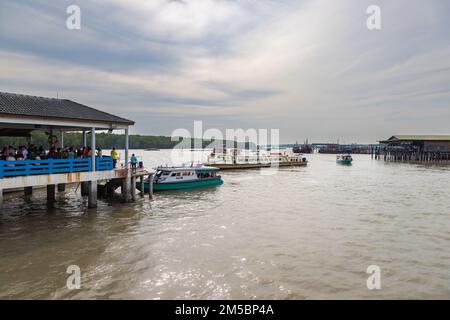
52, 140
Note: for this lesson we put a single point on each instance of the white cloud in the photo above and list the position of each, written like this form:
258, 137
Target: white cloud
311, 68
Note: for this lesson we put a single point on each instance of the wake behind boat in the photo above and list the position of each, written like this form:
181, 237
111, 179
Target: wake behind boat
184, 177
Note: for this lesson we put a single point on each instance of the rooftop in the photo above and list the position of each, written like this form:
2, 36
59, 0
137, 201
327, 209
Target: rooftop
12, 104
400, 137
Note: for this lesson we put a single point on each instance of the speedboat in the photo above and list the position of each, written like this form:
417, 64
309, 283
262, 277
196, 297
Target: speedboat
184, 177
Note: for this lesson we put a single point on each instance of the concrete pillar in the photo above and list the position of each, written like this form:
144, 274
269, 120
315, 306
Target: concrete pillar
133, 188
61, 187
92, 198
51, 193
126, 186
62, 139
85, 188
126, 148
28, 191
1, 198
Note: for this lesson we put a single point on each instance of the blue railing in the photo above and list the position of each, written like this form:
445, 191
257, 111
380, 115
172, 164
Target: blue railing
103, 163
51, 166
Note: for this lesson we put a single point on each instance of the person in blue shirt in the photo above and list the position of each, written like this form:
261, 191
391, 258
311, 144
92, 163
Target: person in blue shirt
133, 161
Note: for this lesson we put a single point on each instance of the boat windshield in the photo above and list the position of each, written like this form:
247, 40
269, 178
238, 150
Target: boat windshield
162, 173
205, 175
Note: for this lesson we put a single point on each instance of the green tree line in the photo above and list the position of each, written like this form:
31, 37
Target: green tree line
105, 141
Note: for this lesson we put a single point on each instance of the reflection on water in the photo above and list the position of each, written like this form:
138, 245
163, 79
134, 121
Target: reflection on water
302, 233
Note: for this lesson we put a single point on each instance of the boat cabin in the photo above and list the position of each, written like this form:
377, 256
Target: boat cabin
178, 174
345, 157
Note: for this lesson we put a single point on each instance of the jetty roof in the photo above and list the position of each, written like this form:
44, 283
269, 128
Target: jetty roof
400, 137
26, 106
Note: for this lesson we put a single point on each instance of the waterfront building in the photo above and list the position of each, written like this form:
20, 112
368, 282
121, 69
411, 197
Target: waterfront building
415, 148
20, 115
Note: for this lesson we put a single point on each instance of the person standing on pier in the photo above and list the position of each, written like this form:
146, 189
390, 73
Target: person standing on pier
133, 161
114, 157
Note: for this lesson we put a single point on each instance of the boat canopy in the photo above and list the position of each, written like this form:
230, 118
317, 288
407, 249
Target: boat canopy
200, 169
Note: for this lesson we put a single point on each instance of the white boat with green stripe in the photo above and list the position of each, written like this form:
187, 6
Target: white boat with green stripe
187, 177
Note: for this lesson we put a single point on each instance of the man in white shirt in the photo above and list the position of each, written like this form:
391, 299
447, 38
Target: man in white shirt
24, 153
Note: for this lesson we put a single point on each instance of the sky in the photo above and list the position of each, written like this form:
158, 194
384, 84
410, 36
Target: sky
311, 69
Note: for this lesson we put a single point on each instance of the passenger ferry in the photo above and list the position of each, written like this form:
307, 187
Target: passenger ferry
184, 177
344, 159
247, 159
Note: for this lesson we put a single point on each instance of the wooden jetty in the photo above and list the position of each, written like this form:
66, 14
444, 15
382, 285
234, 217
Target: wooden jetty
414, 148
22, 114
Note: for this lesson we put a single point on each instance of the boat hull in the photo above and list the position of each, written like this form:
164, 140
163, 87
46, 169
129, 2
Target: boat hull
294, 164
182, 185
346, 162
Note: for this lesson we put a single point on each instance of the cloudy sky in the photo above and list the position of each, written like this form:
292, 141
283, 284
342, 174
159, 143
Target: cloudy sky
309, 68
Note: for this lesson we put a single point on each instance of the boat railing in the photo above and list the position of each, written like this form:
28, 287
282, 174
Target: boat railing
52, 166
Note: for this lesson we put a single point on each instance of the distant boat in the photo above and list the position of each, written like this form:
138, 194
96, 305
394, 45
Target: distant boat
187, 177
344, 159
305, 148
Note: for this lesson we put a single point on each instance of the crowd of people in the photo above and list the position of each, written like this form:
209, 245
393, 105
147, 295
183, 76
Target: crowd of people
33, 152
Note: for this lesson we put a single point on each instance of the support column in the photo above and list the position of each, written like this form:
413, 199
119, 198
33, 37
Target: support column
150, 187
62, 139
28, 191
126, 186
92, 198
93, 147
50, 193
133, 188
51, 134
85, 188
84, 139
1, 198
142, 186
61, 187
126, 148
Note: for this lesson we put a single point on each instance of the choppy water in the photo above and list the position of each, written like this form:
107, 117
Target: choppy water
302, 233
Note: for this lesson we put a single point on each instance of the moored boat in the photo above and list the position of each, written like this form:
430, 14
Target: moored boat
344, 159
184, 177
247, 159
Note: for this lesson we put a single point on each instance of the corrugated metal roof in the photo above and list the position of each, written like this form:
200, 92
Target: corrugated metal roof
24, 105
420, 137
